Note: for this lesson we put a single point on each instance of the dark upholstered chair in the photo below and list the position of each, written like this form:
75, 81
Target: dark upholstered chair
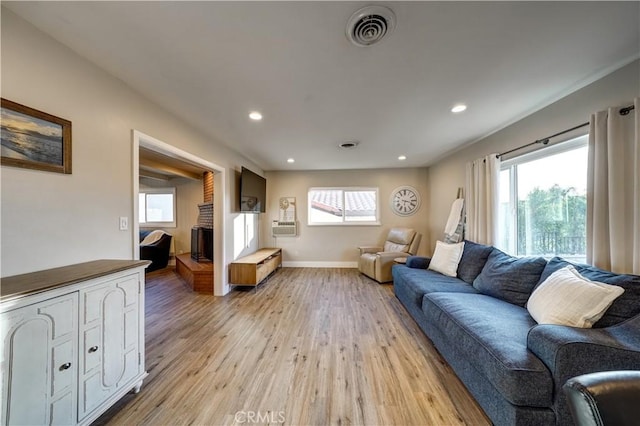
157, 252
608, 398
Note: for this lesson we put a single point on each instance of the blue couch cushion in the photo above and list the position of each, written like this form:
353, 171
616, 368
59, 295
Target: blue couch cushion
492, 334
509, 278
417, 282
623, 308
474, 257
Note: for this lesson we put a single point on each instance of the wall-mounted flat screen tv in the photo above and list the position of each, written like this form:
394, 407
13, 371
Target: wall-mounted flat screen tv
253, 192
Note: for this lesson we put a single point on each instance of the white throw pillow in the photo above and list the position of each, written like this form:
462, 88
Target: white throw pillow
446, 258
568, 298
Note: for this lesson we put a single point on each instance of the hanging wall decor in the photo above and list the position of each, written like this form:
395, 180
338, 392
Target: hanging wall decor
405, 200
33, 139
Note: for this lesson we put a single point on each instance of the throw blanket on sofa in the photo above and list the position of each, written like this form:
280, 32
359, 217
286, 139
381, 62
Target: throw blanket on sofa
153, 237
453, 231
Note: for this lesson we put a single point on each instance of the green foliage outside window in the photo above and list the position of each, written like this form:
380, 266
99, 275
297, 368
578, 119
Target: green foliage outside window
552, 222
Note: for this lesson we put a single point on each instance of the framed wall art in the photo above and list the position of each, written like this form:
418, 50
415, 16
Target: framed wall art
33, 139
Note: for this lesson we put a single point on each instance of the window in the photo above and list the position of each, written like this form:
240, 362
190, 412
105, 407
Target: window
543, 202
157, 207
343, 206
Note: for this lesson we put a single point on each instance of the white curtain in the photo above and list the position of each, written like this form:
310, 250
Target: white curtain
613, 191
482, 192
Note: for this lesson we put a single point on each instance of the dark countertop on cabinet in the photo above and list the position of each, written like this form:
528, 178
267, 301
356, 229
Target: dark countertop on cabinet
36, 282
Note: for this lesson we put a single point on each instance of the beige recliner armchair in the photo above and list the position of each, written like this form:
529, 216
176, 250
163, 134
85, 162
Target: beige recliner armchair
376, 262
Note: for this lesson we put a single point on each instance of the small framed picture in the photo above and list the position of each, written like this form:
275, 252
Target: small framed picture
33, 139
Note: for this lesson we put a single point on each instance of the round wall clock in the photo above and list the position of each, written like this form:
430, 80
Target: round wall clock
405, 200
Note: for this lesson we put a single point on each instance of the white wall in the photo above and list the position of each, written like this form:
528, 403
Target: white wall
337, 245
50, 219
617, 88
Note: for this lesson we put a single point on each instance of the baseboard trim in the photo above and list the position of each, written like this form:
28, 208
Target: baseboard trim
320, 264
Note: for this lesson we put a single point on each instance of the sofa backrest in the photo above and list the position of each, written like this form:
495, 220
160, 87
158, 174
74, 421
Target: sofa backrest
400, 240
624, 307
474, 257
509, 278
514, 279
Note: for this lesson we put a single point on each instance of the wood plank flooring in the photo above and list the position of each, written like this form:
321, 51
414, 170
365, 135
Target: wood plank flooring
309, 347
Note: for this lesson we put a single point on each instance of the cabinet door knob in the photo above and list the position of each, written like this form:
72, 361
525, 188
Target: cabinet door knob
65, 366
93, 349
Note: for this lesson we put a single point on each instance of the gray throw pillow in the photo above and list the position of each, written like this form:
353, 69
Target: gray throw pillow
509, 278
474, 257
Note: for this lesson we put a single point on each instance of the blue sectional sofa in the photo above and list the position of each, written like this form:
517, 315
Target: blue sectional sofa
514, 367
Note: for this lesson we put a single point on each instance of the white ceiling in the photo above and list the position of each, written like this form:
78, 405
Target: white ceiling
212, 62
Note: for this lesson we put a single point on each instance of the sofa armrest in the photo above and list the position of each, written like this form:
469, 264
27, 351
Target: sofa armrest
388, 256
418, 262
369, 249
568, 352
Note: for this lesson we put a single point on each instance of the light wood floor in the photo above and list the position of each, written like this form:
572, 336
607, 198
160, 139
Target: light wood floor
309, 347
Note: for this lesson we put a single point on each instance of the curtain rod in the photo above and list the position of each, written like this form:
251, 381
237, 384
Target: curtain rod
545, 141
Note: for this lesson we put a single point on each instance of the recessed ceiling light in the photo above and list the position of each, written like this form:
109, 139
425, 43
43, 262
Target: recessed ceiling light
255, 115
459, 108
290, 160
402, 157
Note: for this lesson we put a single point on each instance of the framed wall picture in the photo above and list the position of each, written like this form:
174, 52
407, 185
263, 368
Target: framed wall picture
33, 139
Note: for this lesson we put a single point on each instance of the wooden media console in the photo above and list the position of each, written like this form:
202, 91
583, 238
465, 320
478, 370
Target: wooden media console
251, 270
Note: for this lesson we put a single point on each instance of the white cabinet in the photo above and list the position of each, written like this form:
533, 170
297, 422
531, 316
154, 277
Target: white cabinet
109, 340
39, 362
71, 351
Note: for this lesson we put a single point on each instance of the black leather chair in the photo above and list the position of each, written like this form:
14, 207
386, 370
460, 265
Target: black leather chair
157, 253
608, 398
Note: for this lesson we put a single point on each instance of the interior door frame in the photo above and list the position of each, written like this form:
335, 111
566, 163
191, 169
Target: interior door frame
141, 140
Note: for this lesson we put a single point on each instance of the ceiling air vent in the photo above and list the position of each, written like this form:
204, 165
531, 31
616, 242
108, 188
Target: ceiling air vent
369, 25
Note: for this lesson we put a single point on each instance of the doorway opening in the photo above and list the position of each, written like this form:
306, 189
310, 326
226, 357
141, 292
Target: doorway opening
183, 161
